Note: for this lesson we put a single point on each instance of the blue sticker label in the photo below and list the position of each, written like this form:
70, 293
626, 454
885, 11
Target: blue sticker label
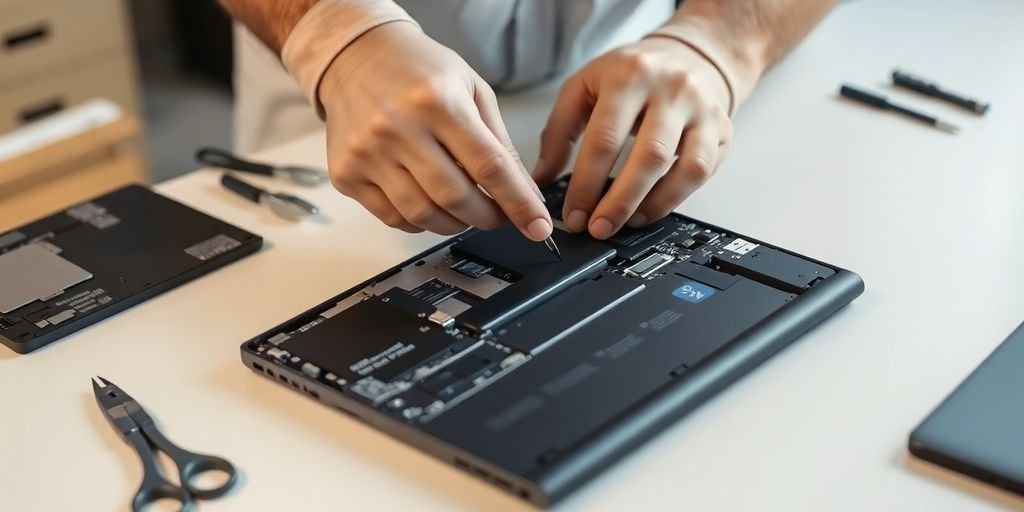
694, 292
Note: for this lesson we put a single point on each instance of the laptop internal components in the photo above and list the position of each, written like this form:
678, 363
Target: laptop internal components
534, 373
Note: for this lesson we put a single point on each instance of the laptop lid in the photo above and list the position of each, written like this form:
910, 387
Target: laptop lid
979, 429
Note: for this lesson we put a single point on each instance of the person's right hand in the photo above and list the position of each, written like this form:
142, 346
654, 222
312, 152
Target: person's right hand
414, 134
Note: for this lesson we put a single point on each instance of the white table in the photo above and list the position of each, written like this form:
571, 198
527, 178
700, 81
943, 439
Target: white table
932, 222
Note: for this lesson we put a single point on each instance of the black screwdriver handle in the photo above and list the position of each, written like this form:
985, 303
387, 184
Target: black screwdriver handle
863, 96
902, 79
222, 158
914, 84
250, 192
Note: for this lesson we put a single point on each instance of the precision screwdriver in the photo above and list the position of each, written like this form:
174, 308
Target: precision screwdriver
902, 79
881, 102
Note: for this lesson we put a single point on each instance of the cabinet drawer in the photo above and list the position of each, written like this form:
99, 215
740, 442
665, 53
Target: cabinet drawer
111, 77
37, 35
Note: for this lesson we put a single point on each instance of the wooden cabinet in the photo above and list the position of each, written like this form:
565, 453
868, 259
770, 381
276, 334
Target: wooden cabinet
55, 55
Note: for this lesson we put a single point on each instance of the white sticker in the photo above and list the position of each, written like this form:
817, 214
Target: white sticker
736, 244
741, 246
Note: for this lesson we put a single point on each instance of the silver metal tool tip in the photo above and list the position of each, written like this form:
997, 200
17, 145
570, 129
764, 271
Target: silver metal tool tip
946, 127
553, 247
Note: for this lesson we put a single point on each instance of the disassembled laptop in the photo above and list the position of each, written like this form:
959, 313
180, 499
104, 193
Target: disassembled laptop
495, 355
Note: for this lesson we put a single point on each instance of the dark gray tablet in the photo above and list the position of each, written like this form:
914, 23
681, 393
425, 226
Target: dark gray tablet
979, 429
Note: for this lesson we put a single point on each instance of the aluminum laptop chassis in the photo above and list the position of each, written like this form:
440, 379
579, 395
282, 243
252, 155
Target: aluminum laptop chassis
533, 373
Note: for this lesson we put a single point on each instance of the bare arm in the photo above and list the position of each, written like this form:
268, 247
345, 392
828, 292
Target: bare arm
270, 21
753, 34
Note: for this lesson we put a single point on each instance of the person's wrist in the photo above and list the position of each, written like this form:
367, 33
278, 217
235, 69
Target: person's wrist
738, 62
705, 74
358, 53
325, 31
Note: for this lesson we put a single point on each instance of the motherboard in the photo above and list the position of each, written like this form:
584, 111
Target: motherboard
428, 335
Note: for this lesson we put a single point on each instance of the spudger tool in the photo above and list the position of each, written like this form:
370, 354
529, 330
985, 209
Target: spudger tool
902, 79
284, 205
881, 102
305, 176
137, 428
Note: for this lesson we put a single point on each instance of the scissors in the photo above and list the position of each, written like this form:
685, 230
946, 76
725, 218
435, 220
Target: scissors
305, 176
138, 429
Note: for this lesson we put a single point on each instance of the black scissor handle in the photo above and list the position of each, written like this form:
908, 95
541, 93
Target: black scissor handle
191, 465
194, 465
222, 158
154, 486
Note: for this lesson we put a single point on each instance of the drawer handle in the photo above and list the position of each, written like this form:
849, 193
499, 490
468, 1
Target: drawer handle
40, 111
27, 36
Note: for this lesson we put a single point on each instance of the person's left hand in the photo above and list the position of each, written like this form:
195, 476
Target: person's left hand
671, 98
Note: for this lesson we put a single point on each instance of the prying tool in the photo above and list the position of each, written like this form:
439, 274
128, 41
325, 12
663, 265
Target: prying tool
284, 205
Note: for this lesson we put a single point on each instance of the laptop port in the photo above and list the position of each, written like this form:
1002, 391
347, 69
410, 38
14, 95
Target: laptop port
503, 483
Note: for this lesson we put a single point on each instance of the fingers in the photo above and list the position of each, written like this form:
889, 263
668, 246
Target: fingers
487, 105
392, 195
413, 203
447, 185
490, 164
376, 202
566, 122
607, 130
650, 158
698, 159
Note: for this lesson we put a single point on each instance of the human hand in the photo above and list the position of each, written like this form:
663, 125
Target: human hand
414, 134
674, 101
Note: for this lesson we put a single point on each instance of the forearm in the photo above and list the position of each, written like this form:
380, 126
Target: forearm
751, 35
271, 21
309, 35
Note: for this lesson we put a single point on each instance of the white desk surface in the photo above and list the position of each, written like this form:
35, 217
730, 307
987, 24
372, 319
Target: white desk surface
932, 222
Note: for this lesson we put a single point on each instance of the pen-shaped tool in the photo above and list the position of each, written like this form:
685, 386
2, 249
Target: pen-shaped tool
881, 102
285, 206
549, 242
306, 176
902, 79
553, 247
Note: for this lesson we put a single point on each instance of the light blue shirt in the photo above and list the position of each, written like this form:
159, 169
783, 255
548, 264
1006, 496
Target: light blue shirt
513, 43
